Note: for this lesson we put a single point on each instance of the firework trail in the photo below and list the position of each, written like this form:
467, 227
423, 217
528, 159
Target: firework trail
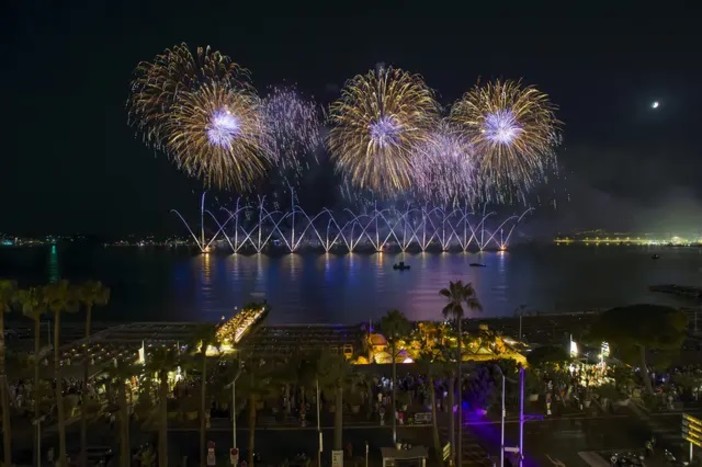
293, 136
215, 133
444, 168
377, 124
514, 131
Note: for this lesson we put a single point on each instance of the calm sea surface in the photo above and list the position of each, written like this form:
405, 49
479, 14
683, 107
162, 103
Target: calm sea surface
177, 285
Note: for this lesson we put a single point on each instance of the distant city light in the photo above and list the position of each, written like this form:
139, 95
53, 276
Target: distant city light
625, 239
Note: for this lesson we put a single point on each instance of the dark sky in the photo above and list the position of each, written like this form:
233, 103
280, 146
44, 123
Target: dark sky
71, 164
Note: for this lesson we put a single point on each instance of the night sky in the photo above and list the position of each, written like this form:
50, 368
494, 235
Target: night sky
71, 164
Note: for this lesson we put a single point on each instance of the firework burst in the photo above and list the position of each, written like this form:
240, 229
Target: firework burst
379, 121
215, 133
444, 167
514, 131
293, 136
157, 85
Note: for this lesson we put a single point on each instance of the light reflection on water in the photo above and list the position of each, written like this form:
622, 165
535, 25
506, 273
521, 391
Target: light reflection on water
327, 288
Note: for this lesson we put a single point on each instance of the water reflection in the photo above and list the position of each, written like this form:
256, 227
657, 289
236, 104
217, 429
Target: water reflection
326, 259
54, 270
206, 270
292, 260
348, 288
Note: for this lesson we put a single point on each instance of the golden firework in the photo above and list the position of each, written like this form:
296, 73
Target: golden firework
514, 131
157, 85
216, 133
377, 123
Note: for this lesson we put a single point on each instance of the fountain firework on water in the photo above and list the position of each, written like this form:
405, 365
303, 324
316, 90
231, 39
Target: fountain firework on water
253, 227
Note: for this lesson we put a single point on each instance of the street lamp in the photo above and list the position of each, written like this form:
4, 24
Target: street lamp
233, 385
519, 450
319, 428
521, 415
37, 422
502, 419
520, 311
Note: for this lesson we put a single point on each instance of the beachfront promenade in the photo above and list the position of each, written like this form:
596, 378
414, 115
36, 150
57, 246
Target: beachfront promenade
135, 341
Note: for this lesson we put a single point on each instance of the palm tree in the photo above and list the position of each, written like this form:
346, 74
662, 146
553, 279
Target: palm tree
395, 326
60, 297
333, 371
163, 360
430, 364
90, 294
8, 292
205, 337
256, 384
118, 375
33, 306
459, 294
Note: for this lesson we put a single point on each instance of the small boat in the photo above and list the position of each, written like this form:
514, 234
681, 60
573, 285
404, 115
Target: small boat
477, 265
401, 266
656, 256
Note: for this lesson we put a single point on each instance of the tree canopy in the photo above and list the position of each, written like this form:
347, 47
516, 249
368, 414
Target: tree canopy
629, 329
546, 354
395, 325
459, 294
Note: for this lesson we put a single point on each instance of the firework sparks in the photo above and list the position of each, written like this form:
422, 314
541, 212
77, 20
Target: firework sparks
514, 131
215, 133
293, 136
444, 168
501, 127
223, 128
158, 84
377, 124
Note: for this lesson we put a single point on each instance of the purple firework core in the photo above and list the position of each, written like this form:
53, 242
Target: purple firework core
384, 131
501, 127
223, 128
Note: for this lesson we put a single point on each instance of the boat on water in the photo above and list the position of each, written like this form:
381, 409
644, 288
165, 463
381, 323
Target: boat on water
681, 290
477, 265
656, 256
401, 266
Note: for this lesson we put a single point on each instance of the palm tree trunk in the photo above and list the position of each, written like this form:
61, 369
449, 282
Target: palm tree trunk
124, 446
252, 429
434, 422
37, 344
339, 418
644, 370
371, 401
459, 384
83, 395
59, 391
452, 416
393, 412
203, 399
163, 419
287, 393
5, 399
